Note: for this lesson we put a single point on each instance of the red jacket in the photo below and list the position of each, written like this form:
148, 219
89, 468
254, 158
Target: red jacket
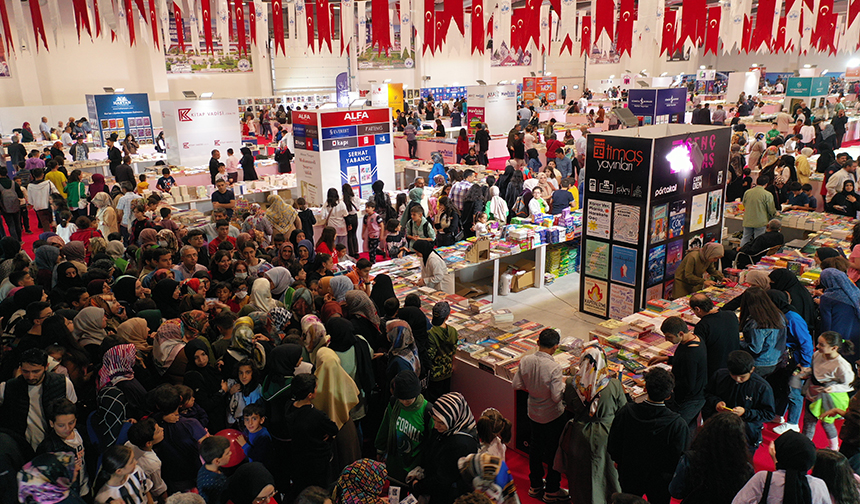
462, 146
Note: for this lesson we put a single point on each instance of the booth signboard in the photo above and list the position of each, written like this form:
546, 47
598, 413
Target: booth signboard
193, 128
656, 106
805, 87
474, 116
852, 73
342, 146
649, 197
342, 86
495, 104
540, 87
387, 95
123, 115
706, 75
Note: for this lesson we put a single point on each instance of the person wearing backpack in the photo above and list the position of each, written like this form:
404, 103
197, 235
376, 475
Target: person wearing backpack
418, 228
443, 345
10, 202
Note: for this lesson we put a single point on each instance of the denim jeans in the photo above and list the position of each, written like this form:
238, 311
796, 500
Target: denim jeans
751, 233
795, 406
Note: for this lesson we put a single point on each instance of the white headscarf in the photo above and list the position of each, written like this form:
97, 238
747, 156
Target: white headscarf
261, 295
498, 206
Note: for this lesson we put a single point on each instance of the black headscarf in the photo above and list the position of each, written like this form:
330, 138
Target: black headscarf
343, 338
828, 252
162, 294
283, 359
247, 482
63, 282
206, 380
27, 295
342, 334
780, 299
425, 248
799, 297
124, 289
795, 454
504, 179
383, 290
10, 247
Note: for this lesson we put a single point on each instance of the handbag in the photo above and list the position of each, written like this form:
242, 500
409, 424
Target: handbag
82, 198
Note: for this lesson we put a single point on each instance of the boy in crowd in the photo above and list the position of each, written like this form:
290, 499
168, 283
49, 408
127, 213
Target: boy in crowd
372, 229
40, 191
562, 198
311, 429
223, 229
306, 215
142, 436
360, 275
807, 190
443, 345
796, 197
142, 184
739, 390
395, 240
179, 452
64, 437
165, 181
256, 441
689, 368
211, 482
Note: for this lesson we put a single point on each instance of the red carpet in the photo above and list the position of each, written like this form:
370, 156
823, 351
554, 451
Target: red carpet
30, 238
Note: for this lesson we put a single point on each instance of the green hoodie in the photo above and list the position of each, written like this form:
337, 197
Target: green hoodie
403, 435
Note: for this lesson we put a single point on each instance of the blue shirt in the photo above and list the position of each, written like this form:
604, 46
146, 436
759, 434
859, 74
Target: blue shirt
800, 200
798, 338
259, 445
211, 485
564, 166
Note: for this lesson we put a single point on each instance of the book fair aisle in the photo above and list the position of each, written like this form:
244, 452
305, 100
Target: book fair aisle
391, 251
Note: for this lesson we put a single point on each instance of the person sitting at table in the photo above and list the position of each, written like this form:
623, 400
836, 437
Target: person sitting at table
846, 202
752, 251
798, 199
689, 277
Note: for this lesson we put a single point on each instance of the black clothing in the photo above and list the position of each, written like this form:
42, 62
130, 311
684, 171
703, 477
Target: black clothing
754, 395
840, 204
16, 401
442, 480
446, 236
115, 158
247, 163
690, 369
309, 428
720, 333
283, 158
226, 197
124, 173
647, 432
482, 138
213, 169
17, 153
308, 221
758, 245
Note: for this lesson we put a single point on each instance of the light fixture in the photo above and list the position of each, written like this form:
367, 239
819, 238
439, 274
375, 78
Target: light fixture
576, 86
207, 96
701, 67
824, 72
755, 65
386, 81
807, 66
479, 81
120, 90
513, 81
679, 159
664, 74
425, 77
189, 95
502, 83
548, 73
612, 76
108, 90
853, 62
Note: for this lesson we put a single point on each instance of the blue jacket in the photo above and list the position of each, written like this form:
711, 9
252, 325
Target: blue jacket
798, 339
766, 345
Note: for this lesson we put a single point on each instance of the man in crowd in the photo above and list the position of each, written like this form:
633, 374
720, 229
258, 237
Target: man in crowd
213, 164
482, 140
459, 189
114, 155
211, 231
718, 329
689, 368
125, 215
45, 129
223, 228
564, 164
410, 131
224, 198
79, 150
759, 208
197, 239
188, 264
847, 173
752, 251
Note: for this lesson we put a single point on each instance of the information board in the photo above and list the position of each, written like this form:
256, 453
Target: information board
120, 114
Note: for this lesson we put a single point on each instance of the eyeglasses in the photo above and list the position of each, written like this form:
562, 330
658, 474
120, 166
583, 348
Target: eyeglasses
45, 316
266, 498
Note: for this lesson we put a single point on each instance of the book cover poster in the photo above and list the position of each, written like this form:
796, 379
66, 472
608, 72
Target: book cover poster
623, 265
677, 218
696, 241
654, 292
697, 212
674, 254
715, 200
596, 259
626, 228
668, 289
598, 219
594, 300
621, 301
656, 261
658, 223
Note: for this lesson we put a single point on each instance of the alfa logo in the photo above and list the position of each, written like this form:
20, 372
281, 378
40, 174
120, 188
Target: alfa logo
183, 114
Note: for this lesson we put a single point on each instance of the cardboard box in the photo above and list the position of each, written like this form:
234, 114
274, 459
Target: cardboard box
524, 277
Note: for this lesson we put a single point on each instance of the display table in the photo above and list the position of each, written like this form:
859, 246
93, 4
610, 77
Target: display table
559, 115
419, 167
447, 147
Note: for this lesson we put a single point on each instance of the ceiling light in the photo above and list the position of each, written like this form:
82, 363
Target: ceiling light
807, 66
108, 90
853, 62
386, 81
548, 73
664, 74
513, 81
120, 90
206, 95
701, 67
612, 76
755, 65
824, 72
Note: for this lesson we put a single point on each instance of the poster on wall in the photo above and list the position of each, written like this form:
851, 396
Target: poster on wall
603, 57
594, 297
540, 87
504, 57
622, 301
371, 58
474, 116
4, 67
122, 115
596, 261
196, 59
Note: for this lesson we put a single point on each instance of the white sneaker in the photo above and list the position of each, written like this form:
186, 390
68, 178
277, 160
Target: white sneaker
779, 429
779, 419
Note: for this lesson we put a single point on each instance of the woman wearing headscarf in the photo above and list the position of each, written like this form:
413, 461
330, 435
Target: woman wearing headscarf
67, 276
340, 285
306, 254
282, 282
845, 202
301, 305
365, 320
136, 332
46, 260
355, 358
839, 307
285, 255
257, 222
167, 353
497, 208
434, 271
753, 278
90, 329
118, 370
261, 298
361, 482
383, 201
336, 395
455, 437
756, 152
166, 297
75, 252
801, 165
205, 380
794, 456
689, 277
283, 360
247, 162
27, 133
49, 478
330, 309
383, 290
593, 397
167, 239
243, 346
282, 216
252, 483
473, 202
784, 280
195, 325
127, 290
403, 352
115, 250
105, 214
505, 179
515, 189
416, 194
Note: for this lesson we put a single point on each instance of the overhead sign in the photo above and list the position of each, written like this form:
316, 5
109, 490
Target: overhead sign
641, 102
354, 117
807, 86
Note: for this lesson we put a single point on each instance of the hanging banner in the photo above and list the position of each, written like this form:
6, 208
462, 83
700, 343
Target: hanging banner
153, 24
207, 25
380, 29
478, 26
585, 38
712, 33
323, 24
278, 26
624, 37
38, 24
181, 56
668, 43
7, 31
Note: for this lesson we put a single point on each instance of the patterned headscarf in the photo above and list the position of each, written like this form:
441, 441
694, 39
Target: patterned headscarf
75, 251
403, 343
592, 377
303, 303
313, 333
195, 322
47, 479
281, 215
838, 287
360, 483
168, 344
453, 411
359, 304
279, 317
242, 344
169, 237
117, 365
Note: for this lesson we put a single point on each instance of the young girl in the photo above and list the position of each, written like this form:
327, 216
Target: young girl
325, 245
65, 228
126, 481
400, 204
834, 469
248, 391
828, 386
494, 432
77, 194
480, 227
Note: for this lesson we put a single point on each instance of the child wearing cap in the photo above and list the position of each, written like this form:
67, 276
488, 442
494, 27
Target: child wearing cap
443, 345
405, 430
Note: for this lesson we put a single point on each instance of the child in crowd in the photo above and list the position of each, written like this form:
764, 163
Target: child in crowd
142, 184
371, 230
24, 202
211, 482
256, 440
494, 432
306, 215
807, 190
189, 408
142, 436
829, 387
126, 481
796, 197
222, 327
222, 174
179, 450
311, 430
167, 222
247, 391
64, 437
471, 158
342, 254
395, 241
443, 345
65, 227
56, 353
165, 181
480, 226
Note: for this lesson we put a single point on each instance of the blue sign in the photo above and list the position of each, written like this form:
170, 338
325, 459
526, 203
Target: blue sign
671, 101
340, 132
122, 115
341, 83
806, 87
383, 139
299, 130
641, 102
358, 166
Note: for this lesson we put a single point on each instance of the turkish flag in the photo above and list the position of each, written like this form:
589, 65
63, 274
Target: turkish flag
81, 17
278, 25
779, 44
7, 31
519, 37
252, 21
323, 23
442, 24
822, 32
624, 36
140, 7
763, 33
429, 25
309, 25
478, 26
604, 14
693, 22
556, 5
180, 31
381, 24
96, 16
129, 20
207, 25
531, 23
153, 23
585, 37
240, 26
745, 39
454, 11
712, 32
668, 47
827, 36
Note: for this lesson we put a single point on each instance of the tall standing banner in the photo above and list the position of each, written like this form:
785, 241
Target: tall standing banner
122, 115
278, 26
